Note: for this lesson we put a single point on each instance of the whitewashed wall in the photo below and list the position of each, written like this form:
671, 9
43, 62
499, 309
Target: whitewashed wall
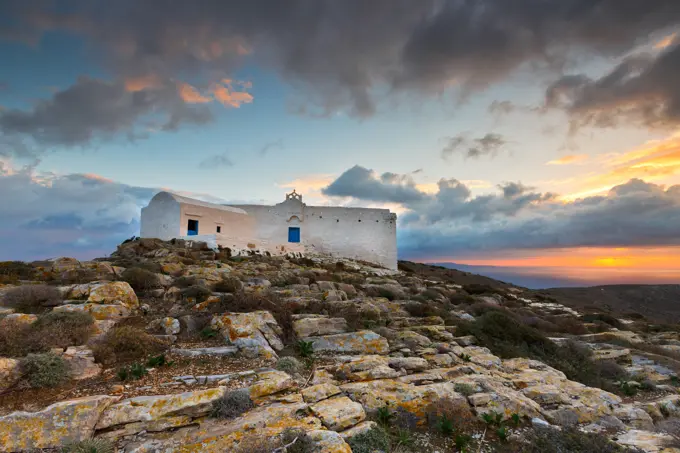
161, 218
358, 233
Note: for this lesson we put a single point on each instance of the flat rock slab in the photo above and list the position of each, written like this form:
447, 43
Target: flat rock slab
146, 408
319, 392
314, 327
362, 342
54, 426
329, 442
220, 351
254, 334
339, 413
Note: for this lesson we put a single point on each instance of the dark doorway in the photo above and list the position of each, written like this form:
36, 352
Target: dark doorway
192, 228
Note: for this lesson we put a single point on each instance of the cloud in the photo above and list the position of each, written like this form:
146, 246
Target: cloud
488, 145
277, 144
642, 90
364, 184
343, 57
225, 94
46, 215
632, 214
94, 110
191, 95
569, 160
666, 42
216, 161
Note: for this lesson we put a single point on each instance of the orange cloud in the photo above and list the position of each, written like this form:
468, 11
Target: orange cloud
97, 177
191, 95
134, 84
569, 160
657, 160
665, 42
230, 98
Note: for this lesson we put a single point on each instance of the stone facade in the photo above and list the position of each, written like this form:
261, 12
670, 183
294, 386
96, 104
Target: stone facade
356, 233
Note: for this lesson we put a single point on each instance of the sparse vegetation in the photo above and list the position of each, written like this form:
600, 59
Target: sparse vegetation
290, 365
31, 298
550, 440
371, 441
45, 370
98, 445
63, 329
232, 404
197, 293
13, 271
122, 344
464, 389
228, 285
141, 279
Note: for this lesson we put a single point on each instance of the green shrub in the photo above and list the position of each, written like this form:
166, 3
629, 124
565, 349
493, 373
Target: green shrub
197, 292
370, 441
305, 349
232, 404
18, 339
208, 332
464, 389
45, 370
98, 445
141, 279
550, 440
32, 298
290, 365
126, 343
384, 416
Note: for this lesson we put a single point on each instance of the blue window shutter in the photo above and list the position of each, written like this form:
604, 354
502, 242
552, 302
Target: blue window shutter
293, 234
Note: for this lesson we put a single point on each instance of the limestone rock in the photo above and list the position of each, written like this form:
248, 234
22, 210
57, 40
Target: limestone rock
647, 441
413, 340
316, 326
634, 417
99, 312
365, 368
18, 318
81, 362
361, 428
397, 395
64, 263
220, 351
54, 426
338, 413
168, 325
362, 342
254, 334
408, 363
329, 442
146, 408
319, 392
270, 382
114, 293
9, 373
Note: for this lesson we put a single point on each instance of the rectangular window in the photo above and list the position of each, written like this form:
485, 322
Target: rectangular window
293, 234
192, 228
219, 229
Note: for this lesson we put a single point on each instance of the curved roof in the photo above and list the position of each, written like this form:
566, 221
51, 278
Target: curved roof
204, 204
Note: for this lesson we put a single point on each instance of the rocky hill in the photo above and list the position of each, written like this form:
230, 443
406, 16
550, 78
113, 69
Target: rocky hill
173, 347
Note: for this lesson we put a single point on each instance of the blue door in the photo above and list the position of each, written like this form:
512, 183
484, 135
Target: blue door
192, 228
293, 234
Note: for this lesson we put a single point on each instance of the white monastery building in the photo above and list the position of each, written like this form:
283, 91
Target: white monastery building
287, 227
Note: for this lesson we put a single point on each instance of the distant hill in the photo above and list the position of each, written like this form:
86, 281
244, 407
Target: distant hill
525, 277
656, 302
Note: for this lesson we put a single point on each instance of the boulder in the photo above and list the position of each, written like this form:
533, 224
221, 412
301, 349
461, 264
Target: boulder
254, 334
338, 413
81, 362
329, 442
646, 441
54, 426
270, 382
362, 342
413, 340
114, 293
408, 363
64, 263
319, 325
17, 319
366, 368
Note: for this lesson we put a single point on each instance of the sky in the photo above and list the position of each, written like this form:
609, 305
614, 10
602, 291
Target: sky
532, 134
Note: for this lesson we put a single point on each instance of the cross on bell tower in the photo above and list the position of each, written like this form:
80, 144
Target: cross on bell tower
294, 196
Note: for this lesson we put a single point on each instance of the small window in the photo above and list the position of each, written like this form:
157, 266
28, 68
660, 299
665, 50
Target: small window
219, 229
192, 228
